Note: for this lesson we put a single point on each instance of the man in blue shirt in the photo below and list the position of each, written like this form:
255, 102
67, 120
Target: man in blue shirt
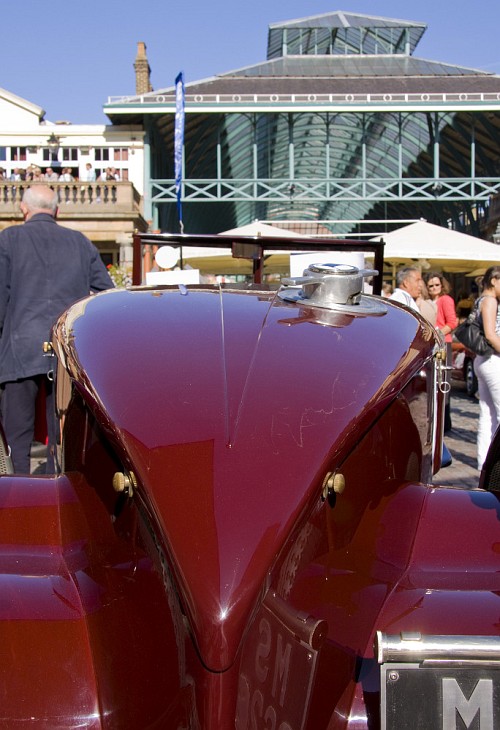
44, 268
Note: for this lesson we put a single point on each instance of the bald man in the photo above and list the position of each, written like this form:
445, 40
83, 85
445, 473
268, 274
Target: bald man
44, 268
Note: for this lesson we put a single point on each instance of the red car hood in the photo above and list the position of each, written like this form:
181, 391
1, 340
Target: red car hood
232, 406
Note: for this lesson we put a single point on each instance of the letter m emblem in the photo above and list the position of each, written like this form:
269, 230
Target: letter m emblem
479, 704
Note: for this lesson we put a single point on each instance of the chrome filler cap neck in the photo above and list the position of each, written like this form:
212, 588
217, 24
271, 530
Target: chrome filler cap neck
331, 286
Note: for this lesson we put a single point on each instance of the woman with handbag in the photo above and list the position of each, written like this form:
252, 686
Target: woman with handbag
487, 367
446, 321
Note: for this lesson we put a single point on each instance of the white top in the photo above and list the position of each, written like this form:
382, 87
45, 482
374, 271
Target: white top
400, 295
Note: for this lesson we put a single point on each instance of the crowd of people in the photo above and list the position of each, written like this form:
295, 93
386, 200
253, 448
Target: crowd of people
33, 173
431, 297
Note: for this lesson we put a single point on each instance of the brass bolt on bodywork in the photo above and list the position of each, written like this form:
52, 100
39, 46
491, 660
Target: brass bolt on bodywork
334, 482
124, 482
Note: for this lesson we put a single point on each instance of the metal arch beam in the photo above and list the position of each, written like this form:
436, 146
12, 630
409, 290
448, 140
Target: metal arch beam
482, 143
280, 155
484, 119
453, 141
400, 43
456, 158
201, 144
395, 134
426, 162
350, 139
239, 149
403, 132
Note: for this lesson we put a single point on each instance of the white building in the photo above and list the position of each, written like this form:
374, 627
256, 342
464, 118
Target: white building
27, 139
107, 213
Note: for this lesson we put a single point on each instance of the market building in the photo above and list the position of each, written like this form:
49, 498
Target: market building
342, 130
342, 127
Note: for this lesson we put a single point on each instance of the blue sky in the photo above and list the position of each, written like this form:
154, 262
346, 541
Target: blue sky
68, 56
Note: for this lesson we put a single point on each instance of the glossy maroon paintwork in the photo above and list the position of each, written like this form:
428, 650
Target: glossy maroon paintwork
226, 592
242, 399
80, 613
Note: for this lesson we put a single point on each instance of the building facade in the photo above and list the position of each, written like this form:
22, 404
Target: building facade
98, 171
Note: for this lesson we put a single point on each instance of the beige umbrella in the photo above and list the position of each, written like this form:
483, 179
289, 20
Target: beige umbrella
220, 261
442, 248
259, 229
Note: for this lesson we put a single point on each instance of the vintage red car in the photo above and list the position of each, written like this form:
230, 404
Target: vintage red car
245, 532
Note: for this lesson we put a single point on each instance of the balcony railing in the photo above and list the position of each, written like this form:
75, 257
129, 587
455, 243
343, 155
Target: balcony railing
77, 198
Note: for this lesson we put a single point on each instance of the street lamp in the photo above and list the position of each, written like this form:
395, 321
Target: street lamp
53, 142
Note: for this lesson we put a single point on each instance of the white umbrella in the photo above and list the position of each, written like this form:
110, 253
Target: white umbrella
260, 229
441, 247
220, 260
252, 229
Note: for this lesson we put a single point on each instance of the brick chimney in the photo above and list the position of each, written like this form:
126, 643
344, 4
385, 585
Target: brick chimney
142, 70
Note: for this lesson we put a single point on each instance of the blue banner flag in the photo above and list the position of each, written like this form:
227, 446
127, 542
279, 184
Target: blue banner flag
179, 141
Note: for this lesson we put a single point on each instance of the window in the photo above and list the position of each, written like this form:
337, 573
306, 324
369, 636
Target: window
121, 154
49, 155
70, 153
101, 154
3, 154
18, 154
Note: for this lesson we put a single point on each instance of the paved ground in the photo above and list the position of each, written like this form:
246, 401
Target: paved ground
461, 441
38, 458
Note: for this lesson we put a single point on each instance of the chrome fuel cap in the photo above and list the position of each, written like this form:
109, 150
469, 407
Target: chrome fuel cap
332, 286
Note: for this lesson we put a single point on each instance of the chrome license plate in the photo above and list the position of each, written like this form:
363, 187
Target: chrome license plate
439, 698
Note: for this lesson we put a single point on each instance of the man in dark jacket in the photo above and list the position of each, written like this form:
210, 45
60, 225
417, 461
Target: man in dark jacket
44, 268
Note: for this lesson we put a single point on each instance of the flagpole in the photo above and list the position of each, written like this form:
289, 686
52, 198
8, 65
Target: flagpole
179, 142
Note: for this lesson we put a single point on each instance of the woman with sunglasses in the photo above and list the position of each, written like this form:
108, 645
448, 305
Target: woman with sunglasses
446, 321
487, 367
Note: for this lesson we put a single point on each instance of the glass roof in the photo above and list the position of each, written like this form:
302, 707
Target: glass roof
351, 66
343, 33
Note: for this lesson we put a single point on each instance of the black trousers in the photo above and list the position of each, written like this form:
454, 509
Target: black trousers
17, 407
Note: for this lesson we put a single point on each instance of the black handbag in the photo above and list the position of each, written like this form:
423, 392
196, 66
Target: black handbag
471, 334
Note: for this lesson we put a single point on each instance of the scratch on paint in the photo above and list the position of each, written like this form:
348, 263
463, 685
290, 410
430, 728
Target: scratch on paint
282, 425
